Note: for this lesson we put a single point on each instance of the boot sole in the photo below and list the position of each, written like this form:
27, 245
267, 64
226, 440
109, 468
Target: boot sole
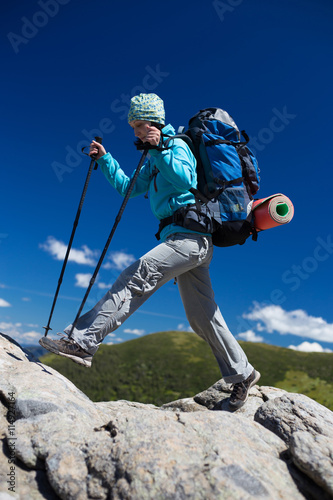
50, 347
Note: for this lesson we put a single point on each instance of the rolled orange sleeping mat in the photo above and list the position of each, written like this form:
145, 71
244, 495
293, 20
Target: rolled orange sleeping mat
272, 211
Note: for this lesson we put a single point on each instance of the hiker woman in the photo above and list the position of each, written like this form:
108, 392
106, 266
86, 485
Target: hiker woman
183, 253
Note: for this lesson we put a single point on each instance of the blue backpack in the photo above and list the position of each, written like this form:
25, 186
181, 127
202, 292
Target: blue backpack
228, 179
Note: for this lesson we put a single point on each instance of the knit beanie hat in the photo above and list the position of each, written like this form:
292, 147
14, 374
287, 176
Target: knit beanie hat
148, 107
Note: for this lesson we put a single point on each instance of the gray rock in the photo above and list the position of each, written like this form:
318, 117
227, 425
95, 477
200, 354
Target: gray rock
295, 412
43, 435
307, 427
313, 454
185, 404
212, 397
68, 447
115, 406
195, 458
38, 388
67, 472
268, 393
29, 484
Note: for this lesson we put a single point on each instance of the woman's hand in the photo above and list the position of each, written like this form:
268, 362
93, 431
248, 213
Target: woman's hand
96, 150
153, 136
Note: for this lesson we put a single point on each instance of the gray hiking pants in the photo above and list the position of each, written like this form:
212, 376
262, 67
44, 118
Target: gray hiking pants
186, 257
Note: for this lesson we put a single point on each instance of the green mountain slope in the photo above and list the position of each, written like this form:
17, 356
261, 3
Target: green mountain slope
165, 366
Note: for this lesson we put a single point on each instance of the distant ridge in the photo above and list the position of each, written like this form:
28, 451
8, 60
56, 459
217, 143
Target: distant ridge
165, 366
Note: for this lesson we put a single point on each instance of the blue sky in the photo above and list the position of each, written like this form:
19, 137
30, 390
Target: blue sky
69, 68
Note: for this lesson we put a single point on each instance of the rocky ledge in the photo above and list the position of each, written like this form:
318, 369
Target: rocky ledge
57, 443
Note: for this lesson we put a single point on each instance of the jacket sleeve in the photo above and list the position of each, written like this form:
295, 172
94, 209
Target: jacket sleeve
177, 165
119, 180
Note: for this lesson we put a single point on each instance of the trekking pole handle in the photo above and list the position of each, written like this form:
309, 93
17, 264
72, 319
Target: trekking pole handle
99, 140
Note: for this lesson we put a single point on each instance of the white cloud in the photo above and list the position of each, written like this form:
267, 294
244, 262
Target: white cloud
115, 341
184, 327
57, 249
309, 347
4, 303
82, 280
119, 261
298, 322
31, 337
19, 333
26, 299
250, 336
10, 329
134, 331
103, 286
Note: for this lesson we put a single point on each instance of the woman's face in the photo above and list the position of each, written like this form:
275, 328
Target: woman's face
141, 128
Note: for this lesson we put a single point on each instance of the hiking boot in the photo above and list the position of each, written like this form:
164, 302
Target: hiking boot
68, 348
240, 391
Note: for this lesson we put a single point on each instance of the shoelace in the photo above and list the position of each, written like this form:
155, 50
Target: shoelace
238, 389
65, 338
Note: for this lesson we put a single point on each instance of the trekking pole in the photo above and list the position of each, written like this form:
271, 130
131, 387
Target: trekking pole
120, 213
76, 221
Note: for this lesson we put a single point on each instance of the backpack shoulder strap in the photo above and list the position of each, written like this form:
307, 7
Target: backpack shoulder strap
185, 138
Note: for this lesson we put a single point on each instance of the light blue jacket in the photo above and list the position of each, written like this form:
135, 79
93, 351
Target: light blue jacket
167, 176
